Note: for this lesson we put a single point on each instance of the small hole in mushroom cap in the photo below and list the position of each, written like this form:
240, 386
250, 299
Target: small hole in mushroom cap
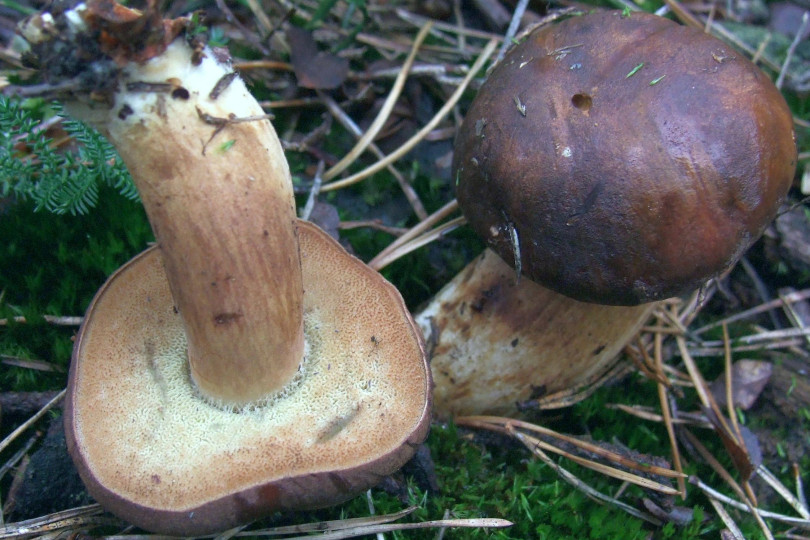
582, 102
180, 93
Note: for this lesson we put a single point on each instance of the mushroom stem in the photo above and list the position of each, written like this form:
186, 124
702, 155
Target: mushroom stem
499, 344
218, 193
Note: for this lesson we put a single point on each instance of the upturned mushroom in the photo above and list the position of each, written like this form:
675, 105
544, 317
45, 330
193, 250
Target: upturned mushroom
615, 160
247, 363
623, 158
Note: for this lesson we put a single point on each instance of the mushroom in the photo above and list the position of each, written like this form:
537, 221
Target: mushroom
623, 158
246, 363
615, 160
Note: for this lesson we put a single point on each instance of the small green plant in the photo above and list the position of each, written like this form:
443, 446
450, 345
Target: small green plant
33, 167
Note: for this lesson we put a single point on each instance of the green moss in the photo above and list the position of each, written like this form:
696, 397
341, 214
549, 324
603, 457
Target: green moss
53, 265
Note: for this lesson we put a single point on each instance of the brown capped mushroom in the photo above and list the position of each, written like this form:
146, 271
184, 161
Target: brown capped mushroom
623, 158
616, 159
247, 363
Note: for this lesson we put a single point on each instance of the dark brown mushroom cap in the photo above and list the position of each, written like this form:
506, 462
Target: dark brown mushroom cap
155, 453
634, 158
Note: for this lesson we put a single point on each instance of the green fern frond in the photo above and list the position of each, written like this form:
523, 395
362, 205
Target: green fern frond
99, 156
58, 181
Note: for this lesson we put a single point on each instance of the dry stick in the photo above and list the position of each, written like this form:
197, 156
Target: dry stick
262, 18
797, 477
313, 192
488, 422
51, 319
440, 72
709, 402
663, 397
679, 378
670, 315
706, 398
643, 413
690, 310
332, 525
459, 15
514, 24
718, 30
685, 16
732, 527
230, 533
714, 464
648, 365
759, 287
722, 32
413, 141
249, 35
792, 314
28, 423
349, 528
416, 243
712, 493
730, 405
382, 44
441, 35
761, 48
779, 487
492, 523
607, 470
371, 511
707, 27
277, 65
385, 110
791, 344
574, 481
791, 536
654, 329
18, 455
694, 373
724, 474
640, 361
417, 230
33, 526
729, 383
345, 120
441, 531
372, 224
296, 103
763, 335
71, 523
780, 80
419, 20
28, 363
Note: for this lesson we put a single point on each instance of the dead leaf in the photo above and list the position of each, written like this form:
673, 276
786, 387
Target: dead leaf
314, 68
746, 454
325, 216
748, 379
679, 515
